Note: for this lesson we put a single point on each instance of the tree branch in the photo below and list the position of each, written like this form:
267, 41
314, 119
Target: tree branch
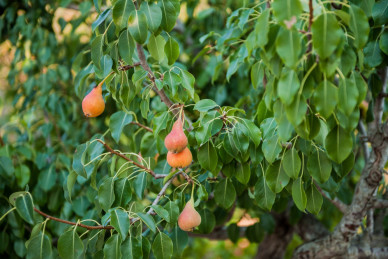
71, 223
336, 202
142, 126
363, 133
311, 17
379, 105
156, 176
380, 204
151, 76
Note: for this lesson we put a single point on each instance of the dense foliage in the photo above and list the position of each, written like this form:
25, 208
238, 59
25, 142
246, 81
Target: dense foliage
279, 99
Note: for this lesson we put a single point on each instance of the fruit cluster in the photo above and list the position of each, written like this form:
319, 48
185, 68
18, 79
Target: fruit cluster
176, 143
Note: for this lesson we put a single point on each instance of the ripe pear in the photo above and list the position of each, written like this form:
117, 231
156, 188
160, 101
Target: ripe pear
189, 218
181, 159
176, 140
93, 103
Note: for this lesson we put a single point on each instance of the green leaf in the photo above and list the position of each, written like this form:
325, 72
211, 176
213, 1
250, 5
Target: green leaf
169, 13
160, 122
96, 50
359, 25
271, 148
319, 166
233, 232
326, 34
257, 74
276, 177
325, 98
161, 212
112, 247
289, 47
148, 220
299, 194
380, 12
155, 46
172, 80
24, 206
123, 192
348, 94
243, 173
262, 28
154, 15
288, 86
179, 239
131, 248
101, 18
383, 42
338, 144
286, 9
70, 245
171, 48
121, 11
140, 184
188, 82
224, 193
39, 247
291, 163
250, 130
6, 166
22, 175
106, 195
47, 178
208, 221
314, 199
173, 211
207, 156
162, 247
373, 54
71, 179
120, 221
264, 197
126, 46
296, 111
79, 160
205, 104
117, 123
137, 26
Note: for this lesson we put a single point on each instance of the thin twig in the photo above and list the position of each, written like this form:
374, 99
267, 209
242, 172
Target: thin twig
337, 203
71, 223
161, 92
159, 196
156, 176
311, 17
142, 126
379, 105
128, 67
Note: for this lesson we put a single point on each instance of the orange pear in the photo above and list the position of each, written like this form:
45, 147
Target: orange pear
181, 159
176, 140
93, 103
189, 218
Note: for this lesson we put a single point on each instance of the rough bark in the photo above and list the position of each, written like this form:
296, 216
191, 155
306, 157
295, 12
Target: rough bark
339, 244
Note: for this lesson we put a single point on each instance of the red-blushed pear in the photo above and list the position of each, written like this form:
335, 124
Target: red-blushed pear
189, 218
181, 159
93, 103
176, 140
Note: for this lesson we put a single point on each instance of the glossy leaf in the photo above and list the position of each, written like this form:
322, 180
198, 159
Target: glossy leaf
325, 98
288, 86
162, 246
24, 206
291, 163
207, 156
120, 221
137, 26
225, 193
154, 15
359, 26
171, 48
289, 47
126, 46
338, 144
155, 46
121, 11
326, 34
299, 194
70, 245
276, 177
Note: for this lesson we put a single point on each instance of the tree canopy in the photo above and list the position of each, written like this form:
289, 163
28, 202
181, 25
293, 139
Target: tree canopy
130, 127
